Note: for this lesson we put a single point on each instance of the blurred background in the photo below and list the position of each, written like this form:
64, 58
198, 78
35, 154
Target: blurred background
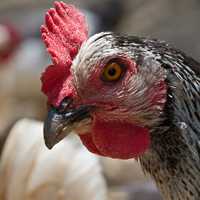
23, 58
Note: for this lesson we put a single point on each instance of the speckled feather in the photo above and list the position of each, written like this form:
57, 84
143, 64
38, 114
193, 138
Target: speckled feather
171, 113
174, 157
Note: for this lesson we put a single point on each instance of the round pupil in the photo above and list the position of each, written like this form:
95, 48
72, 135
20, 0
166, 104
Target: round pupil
112, 71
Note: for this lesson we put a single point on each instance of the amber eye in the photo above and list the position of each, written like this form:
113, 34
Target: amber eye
112, 71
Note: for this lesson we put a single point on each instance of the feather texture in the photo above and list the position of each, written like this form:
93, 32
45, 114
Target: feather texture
30, 171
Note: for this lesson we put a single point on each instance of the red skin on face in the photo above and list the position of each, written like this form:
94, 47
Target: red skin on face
63, 33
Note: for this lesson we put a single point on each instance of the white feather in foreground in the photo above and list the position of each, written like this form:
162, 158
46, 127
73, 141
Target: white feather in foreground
28, 170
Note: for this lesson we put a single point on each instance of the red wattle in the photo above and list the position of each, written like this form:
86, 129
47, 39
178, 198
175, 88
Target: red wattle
88, 142
117, 140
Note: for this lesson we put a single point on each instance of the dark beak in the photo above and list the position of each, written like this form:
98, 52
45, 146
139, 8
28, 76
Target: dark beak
59, 123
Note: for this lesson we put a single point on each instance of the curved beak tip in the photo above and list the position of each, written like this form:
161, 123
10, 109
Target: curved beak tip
52, 128
48, 135
58, 125
49, 144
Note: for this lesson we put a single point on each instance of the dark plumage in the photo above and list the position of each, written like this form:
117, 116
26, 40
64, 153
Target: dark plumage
174, 158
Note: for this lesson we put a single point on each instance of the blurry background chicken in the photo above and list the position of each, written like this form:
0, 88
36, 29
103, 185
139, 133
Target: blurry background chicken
19, 75
28, 171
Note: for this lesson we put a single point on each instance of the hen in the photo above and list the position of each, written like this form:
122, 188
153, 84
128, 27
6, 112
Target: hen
30, 172
126, 97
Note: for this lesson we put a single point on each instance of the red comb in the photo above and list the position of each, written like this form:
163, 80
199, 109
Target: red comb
64, 31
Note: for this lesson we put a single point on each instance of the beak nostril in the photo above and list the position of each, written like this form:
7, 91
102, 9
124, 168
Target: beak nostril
65, 105
61, 121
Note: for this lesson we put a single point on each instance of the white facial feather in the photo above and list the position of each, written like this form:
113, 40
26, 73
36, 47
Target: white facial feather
137, 95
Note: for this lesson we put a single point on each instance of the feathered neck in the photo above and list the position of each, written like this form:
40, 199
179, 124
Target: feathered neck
174, 157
